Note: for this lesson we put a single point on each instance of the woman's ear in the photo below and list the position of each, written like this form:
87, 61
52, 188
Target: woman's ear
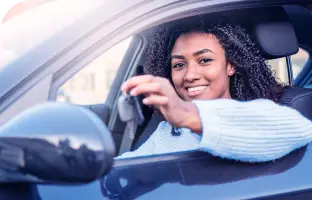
230, 69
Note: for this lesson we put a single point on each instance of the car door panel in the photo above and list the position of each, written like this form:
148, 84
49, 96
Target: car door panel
207, 177
197, 175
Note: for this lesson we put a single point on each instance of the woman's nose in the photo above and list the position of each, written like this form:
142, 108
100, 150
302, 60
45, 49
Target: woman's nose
192, 73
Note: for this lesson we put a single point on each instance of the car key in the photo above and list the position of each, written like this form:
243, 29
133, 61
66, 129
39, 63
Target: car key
129, 109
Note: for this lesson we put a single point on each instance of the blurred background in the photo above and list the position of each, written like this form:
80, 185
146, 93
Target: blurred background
3, 10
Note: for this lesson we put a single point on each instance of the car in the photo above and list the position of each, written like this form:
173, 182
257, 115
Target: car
80, 52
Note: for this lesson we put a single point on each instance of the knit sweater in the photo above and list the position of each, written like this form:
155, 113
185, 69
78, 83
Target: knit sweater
253, 131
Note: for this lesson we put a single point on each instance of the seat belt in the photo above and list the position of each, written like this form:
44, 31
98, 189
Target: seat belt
130, 111
128, 137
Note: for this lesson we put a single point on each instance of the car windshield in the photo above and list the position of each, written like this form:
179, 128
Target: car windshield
33, 26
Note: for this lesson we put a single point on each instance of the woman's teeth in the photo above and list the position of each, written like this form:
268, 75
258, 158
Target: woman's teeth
194, 89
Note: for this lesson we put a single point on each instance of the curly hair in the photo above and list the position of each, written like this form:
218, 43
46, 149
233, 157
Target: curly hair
253, 78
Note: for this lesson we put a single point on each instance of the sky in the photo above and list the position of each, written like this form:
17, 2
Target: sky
2, 10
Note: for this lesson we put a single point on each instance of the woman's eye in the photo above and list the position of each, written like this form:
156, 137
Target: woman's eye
178, 65
205, 60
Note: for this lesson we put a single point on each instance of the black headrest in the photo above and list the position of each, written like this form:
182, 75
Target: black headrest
299, 99
276, 39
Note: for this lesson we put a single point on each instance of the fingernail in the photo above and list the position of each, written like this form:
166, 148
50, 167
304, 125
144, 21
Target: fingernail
123, 87
145, 101
133, 92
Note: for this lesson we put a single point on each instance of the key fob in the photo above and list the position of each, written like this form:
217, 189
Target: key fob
129, 109
125, 109
138, 114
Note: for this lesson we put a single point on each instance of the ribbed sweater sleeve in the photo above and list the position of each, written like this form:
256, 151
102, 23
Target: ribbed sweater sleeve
253, 131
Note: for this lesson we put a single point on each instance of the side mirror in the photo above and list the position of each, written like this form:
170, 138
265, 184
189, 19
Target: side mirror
55, 143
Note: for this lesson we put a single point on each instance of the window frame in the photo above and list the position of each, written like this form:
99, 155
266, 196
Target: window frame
305, 75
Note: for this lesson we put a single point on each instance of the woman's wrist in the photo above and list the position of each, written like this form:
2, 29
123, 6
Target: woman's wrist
192, 120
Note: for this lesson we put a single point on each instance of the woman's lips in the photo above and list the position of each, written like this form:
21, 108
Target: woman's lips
195, 91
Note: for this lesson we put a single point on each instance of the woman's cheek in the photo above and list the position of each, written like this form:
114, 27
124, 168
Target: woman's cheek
177, 84
177, 79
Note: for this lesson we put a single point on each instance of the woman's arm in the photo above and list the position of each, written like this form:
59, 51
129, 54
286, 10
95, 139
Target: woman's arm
254, 131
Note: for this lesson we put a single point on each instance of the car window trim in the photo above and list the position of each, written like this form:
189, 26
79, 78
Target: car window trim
306, 73
157, 158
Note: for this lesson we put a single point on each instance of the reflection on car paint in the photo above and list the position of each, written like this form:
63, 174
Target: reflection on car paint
133, 182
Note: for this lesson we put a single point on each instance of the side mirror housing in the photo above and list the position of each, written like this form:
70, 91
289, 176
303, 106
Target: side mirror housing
55, 143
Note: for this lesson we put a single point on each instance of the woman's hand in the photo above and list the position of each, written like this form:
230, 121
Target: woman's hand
159, 92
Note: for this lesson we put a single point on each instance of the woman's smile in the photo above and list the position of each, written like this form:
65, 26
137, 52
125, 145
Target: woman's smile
195, 90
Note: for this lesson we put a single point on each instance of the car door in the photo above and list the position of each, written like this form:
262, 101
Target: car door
44, 68
196, 175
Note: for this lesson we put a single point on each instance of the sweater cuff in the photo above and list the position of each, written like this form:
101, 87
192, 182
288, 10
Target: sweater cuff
211, 134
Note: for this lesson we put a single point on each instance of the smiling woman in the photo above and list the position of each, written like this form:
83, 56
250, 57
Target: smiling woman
212, 85
198, 72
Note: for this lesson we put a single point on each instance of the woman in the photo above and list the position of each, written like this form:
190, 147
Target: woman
212, 85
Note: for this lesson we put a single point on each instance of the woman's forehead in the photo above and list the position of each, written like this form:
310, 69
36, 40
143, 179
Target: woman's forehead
189, 43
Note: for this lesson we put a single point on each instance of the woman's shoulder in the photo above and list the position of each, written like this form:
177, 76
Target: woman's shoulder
259, 102
265, 102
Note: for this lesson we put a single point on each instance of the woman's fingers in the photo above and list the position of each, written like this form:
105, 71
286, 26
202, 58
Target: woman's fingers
156, 89
135, 81
146, 88
156, 100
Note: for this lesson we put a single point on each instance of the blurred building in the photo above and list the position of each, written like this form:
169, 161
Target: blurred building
92, 84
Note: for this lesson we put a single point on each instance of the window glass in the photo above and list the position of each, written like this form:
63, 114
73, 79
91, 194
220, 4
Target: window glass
91, 84
298, 61
279, 65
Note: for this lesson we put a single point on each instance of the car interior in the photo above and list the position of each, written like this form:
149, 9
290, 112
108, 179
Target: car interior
278, 36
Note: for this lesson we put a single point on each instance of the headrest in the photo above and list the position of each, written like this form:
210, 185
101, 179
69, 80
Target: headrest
299, 99
276, 39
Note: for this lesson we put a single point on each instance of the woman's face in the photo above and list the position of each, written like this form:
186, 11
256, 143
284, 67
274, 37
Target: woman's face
198, 67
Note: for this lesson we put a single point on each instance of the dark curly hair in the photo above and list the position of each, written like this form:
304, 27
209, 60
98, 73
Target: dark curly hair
253, 78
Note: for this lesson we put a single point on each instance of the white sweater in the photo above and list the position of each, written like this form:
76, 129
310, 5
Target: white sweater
253, 131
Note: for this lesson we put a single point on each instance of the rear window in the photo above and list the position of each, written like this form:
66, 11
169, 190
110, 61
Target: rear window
279, 66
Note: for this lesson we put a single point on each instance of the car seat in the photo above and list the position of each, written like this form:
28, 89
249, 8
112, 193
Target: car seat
277, 40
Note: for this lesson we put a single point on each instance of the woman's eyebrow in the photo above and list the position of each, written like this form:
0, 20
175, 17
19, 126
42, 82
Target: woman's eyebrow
177, 57
197, 53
